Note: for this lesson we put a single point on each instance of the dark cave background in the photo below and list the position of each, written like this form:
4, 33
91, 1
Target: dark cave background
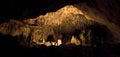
23, 9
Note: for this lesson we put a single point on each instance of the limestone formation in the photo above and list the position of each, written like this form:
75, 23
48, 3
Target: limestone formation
66, 25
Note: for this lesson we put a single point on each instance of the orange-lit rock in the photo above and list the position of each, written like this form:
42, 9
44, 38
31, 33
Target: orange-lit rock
64, 21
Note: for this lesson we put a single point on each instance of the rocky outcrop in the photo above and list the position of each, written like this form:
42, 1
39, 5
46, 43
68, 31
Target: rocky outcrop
100, 17
72, 21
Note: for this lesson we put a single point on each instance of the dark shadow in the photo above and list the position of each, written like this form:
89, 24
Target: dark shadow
9, 46
50, 38
7, 41
23, 9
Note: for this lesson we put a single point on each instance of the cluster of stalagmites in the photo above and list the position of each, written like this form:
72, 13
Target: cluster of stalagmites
56, 28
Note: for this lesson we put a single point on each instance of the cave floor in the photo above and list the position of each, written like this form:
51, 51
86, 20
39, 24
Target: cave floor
63, 51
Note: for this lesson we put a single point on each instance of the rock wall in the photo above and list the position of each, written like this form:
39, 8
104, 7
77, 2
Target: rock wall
69, 21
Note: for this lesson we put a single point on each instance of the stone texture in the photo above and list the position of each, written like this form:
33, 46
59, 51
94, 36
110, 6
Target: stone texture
64, 21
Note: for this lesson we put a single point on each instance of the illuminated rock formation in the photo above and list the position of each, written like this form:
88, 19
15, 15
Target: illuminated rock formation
67, 24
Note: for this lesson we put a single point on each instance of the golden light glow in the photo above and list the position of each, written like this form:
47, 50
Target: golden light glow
47, 43
59, 42
75, 41
38, 29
